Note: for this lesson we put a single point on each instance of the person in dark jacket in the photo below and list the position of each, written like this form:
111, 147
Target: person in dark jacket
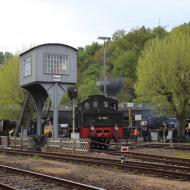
128, 134
174, 135
165, 133
161, 134
148, 134
187, 133
144, 134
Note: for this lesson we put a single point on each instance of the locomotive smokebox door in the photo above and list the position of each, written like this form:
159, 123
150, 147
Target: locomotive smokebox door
48, 70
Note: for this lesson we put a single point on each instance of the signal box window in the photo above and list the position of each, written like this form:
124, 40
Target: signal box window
27, 66
56, 64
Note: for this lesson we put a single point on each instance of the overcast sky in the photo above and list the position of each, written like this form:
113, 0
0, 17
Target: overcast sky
25, 23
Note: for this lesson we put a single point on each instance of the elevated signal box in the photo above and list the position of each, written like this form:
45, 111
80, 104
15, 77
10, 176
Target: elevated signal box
48, 70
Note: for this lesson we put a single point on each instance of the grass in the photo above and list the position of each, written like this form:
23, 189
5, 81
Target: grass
183, 154
36, 157
18, 157
2, 153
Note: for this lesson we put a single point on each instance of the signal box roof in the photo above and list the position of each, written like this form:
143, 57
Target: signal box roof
48, 44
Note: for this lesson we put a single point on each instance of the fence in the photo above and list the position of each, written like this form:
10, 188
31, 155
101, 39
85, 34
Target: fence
82, 145
4, 142
19, 143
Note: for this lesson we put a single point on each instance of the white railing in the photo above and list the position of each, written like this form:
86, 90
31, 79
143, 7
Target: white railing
61, 144
68, 144
4, 142
19, 143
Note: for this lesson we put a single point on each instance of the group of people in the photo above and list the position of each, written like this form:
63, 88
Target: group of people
164, 135
138, 132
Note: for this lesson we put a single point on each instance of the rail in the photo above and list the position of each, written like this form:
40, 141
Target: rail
40, 176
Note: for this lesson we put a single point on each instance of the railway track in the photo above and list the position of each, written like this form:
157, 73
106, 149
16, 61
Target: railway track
177, 146
16, 179
149, 157
6, 187
178, 171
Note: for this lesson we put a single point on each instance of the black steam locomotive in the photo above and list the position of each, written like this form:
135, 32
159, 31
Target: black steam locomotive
99, 119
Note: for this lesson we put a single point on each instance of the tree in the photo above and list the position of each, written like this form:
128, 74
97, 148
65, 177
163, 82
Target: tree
159, 32
125, 65
126, 50
5, 56
11, 95
122, 55
1, 57
118, 34
163, 74
88, 70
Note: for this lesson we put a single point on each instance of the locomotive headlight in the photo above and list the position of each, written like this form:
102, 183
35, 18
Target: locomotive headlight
92, 128
116, 127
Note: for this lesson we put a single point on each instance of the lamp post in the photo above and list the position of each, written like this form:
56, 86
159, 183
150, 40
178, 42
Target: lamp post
104, 60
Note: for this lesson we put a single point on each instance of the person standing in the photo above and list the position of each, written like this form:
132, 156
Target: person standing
174, 135
165, 133
136, 134
128, 134
187, 133
144, 134
160, 132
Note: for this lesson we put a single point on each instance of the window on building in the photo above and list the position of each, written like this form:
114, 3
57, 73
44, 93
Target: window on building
27, 66
56, 64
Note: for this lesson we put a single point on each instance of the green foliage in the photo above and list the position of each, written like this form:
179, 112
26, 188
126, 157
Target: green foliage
126, 50
163, 73
159, 32
18, 157
5, 57
122, 55
36, 157
127, 93
125, 65
118, 34
87, 89
1, 58
182, 154
88, 70
11, 95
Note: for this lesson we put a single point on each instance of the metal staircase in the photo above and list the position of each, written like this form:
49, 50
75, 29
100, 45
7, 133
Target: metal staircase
46, 109
28, 114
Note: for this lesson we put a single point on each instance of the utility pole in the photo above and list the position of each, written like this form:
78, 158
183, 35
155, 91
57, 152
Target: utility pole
104, 61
